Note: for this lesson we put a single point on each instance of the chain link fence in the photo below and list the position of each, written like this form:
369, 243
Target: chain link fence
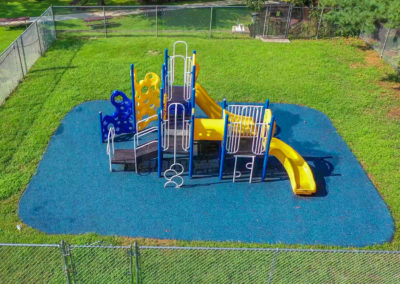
386, 42
19, 57
53, 263
274, 21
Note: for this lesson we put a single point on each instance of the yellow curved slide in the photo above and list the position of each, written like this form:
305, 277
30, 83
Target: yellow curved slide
299, 172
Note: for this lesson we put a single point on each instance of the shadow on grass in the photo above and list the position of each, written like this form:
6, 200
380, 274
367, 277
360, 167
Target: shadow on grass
362, 47
53, 68
392, 77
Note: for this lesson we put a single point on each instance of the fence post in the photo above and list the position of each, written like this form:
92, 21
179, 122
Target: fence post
23, 55
156, 20
54, 21
105, 21
289, 18
268, 16
271, 272
65, 261
211, 19
384, 43
136, 254
130, 254
319, 23
265, 20
38, 34
20, 61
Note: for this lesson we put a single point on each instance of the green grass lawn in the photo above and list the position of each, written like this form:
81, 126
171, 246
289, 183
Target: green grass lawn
338, 77
34, 8
8, 35
190, 22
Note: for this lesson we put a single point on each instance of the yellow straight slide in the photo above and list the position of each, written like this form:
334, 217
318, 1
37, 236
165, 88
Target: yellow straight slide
206, 103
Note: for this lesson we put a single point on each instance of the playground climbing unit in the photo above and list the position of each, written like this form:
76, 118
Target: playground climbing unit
161, 118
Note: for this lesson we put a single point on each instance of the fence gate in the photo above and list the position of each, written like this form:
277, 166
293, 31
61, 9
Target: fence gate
276, 21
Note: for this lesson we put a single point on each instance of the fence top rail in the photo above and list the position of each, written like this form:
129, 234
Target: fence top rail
274, 249
185, 6
148, 6
100, 246
28, 245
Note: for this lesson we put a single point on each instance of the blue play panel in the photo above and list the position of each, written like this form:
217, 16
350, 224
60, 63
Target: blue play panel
73, 191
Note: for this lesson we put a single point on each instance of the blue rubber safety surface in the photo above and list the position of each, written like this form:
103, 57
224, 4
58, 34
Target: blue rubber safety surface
73, 191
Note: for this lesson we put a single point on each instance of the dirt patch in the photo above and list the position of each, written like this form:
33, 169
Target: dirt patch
372, 59
126, 241
390, 85
153, 52
392, 90
394, 113
356, 65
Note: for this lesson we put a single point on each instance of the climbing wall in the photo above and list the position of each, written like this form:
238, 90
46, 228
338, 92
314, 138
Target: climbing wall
147, 101
147, 97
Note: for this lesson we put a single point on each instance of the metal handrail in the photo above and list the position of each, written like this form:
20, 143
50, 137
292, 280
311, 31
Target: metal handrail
110, 146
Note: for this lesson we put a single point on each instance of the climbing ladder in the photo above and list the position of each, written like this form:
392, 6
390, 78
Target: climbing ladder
176, 128
187, 72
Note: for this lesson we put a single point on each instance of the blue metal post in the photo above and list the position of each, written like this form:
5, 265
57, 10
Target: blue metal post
223, 107
266, 105
193, 98
222, 117
133, 98
159, 145
162, 99
222, 158
163, 76
166, 69
191, 145
166, 59
162, 87
266, 153
101, 126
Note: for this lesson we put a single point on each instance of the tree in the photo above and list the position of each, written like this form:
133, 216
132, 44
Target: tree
256, 5
355, 16
309, 3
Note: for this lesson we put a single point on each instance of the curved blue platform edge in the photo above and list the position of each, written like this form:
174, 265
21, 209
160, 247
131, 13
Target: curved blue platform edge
73, 192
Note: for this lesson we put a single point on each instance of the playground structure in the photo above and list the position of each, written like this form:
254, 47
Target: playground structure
241, 131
